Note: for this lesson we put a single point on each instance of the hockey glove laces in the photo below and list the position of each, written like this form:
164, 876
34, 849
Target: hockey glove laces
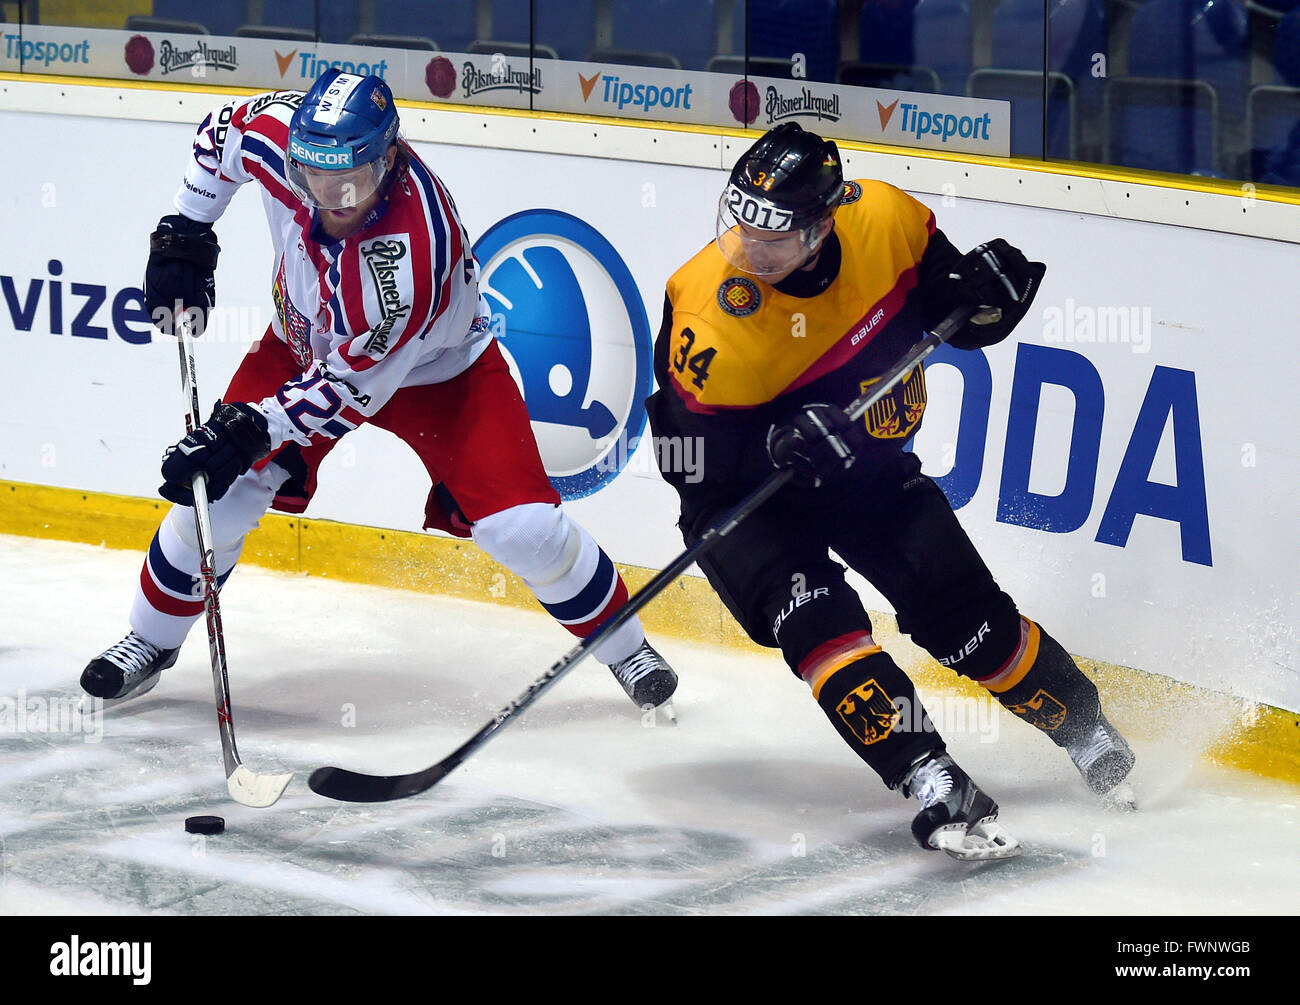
233, 439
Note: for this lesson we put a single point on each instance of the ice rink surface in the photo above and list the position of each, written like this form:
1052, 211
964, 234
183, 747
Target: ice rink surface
750, 805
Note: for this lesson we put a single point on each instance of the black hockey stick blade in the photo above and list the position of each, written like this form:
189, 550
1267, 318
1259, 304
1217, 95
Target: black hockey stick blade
355, 787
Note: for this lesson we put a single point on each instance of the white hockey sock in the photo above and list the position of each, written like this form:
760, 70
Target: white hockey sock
169, 594
567, 571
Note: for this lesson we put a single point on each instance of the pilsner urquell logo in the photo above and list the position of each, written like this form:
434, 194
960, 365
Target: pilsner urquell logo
805, 104
476, 81
171, 58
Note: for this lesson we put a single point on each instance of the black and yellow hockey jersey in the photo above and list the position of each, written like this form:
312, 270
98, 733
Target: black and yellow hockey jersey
735, 355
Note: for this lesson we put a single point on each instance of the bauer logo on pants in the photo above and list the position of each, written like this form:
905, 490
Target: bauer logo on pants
868, 712
572, 326
1042, 710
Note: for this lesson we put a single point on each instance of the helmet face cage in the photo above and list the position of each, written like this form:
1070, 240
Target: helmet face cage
339, 139
335, 188
761, 238
780, 193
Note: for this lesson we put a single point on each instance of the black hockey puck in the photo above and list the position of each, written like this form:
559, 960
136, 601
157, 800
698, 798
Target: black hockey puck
204, 825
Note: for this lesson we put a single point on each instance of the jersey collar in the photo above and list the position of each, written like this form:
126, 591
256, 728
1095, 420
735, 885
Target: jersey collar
817, 280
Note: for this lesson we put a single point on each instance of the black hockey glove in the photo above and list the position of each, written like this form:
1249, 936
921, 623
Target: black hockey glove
1001, 283
233, 439
182, 260
818, 444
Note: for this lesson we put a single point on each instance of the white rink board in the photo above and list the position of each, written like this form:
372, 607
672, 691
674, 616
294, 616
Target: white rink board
94, 412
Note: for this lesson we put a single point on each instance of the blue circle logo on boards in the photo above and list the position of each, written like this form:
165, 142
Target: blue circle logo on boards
571, 323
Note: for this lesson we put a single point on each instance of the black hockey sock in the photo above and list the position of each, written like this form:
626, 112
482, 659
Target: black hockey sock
873, 706
1051, 694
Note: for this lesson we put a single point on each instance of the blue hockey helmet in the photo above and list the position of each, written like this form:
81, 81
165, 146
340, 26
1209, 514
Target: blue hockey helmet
338, 138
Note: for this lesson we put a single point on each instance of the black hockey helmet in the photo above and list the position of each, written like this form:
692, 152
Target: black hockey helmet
789, 181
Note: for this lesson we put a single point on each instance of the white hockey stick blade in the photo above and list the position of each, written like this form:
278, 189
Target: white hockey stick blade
983, 841
251, 789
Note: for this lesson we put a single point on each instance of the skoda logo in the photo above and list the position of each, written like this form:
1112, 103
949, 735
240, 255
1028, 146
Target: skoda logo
573, 327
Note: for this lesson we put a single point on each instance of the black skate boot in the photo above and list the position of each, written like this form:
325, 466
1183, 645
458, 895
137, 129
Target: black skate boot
127, 669
1105, 759
646, 677
957, 816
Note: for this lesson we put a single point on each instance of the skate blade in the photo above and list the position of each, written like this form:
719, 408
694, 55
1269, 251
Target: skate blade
90, 704
1121, 799
666, 709
983, 841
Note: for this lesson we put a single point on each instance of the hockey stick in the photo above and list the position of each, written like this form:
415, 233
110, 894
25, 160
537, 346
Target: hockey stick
246, 786
356, 787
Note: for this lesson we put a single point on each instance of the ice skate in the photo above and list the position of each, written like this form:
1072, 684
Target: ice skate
647, 678
126, 669
1105, 759
956, 816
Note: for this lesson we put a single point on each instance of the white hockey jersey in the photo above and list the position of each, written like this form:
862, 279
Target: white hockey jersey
394, 305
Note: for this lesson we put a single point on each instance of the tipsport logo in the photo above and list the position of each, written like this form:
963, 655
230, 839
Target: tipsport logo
917, 122
309, 66
569, 318
622, 93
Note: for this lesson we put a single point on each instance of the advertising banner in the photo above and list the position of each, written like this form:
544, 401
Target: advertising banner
1125, 462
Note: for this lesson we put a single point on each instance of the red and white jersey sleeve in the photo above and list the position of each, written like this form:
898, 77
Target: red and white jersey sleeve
240, 141
394, 305
398, 307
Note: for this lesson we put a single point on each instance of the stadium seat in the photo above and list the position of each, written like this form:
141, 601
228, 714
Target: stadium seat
520, 49
567, 26
143, 22
275, 31
1159, 124
685, 29
395, 42
1286, 49
1190, 62
780, 28
1194, 40
221, 18
928, 33
891, 76
634, 57
1273, 127
1024, 89
735, 66
886, 32
451, 23
1076, 30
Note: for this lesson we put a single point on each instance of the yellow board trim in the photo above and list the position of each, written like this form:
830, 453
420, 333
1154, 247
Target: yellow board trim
1076, 169
1260, 738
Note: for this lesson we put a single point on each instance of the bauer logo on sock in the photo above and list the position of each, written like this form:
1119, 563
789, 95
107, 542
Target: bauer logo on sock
1042, 711
868, 712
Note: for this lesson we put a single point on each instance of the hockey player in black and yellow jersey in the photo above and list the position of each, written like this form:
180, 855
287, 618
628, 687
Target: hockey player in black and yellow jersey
813, 289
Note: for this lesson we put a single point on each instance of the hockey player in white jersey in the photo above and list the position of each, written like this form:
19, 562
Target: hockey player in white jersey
378, 319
